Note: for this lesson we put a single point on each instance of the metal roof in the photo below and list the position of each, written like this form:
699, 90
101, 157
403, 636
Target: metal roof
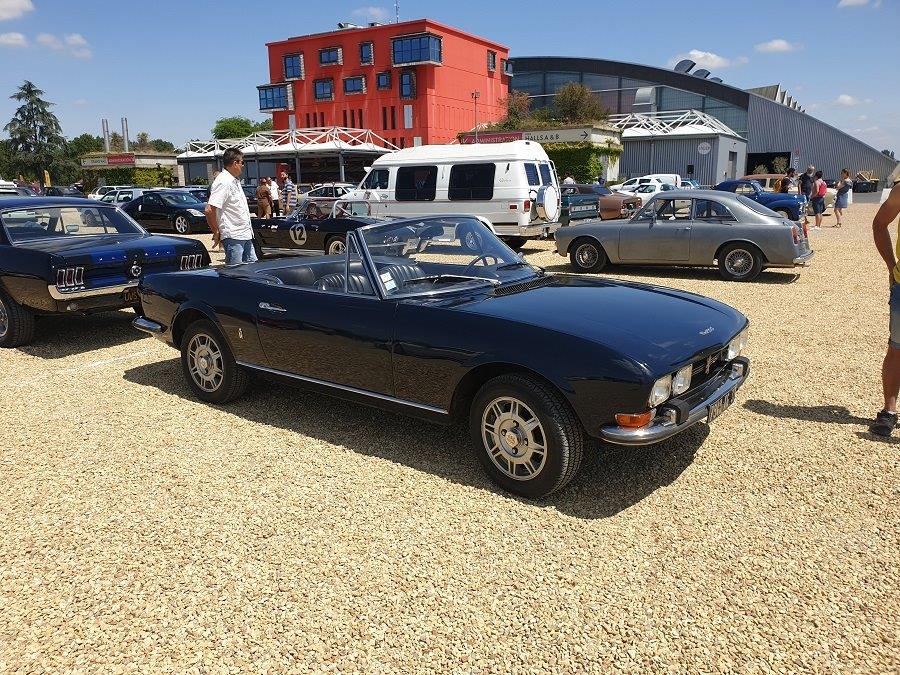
328, 140
670, 123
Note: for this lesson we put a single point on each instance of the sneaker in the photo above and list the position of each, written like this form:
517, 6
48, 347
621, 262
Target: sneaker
884, 423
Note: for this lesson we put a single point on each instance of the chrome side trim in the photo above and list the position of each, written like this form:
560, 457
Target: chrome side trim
145, 325
352, 390
56, 294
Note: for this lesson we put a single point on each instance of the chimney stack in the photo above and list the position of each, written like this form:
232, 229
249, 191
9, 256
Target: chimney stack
104, 125
125, 134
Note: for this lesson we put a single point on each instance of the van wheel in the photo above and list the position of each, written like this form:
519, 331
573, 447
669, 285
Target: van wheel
471, 239
587, 255
515, 243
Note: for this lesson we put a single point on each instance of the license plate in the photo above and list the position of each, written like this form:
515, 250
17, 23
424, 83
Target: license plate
718, 407
578, 209
130, 295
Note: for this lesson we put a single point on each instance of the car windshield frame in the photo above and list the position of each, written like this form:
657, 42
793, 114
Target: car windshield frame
490, 245
95, 205
167, 196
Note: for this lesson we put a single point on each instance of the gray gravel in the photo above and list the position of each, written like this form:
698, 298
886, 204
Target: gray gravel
143, 530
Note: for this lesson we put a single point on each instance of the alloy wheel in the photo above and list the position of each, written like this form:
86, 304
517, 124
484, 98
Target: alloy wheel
181, 225
587, 255
739, 262
514, 438
205, 362
4, 319
336, 247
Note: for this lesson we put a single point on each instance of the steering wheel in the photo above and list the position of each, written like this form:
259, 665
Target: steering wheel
482, 258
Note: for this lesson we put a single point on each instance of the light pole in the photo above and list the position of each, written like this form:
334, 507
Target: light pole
475, 96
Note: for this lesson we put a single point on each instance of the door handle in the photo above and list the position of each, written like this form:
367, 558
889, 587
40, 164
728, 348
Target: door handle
271, 308
684, 229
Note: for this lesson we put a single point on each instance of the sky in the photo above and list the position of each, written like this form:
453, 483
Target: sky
173, 68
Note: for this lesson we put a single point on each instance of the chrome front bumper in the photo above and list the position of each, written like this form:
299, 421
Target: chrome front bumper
664, 425
57, 294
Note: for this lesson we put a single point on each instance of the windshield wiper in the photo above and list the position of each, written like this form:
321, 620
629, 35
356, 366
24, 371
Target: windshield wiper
440, 277
520, 263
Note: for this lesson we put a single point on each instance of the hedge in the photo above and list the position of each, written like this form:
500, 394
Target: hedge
153, 177
581, 160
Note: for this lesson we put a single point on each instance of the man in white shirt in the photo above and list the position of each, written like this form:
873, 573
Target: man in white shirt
228, 213
276, 198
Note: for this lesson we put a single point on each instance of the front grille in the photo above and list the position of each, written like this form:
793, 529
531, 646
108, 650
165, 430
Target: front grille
191, 262
69, 277
509, 289
707, 367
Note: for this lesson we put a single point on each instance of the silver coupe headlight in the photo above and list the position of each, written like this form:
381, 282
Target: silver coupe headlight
682, 380
737, 345
196, 213
662, 390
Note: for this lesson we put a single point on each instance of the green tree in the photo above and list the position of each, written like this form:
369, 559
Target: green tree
160, 145
83, 144
35, 137
518, 105
238, 127
265, 125
116, 142
575, 103
142, 141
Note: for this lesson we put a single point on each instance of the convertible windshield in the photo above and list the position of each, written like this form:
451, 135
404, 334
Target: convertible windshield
438, 254
180, 199
31, 223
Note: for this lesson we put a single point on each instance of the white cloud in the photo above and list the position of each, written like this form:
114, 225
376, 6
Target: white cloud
81, 53
863, 118
13, 40
13, 9
80, 102
852, 3
371, 13
846, 101
708, 60
775, 46
73, 44
50, 41
76, 40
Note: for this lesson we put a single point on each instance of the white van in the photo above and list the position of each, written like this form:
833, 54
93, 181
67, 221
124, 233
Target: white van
513, 185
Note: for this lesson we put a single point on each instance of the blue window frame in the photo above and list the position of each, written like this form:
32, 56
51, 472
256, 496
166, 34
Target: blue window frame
417, 49
271, 98
366, 53
492, 60
293, 66
407, 84
355, 85
383, 80
329, 56
324, 89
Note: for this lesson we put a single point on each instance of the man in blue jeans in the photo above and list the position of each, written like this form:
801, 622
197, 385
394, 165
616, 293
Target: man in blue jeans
228, 213
886, 420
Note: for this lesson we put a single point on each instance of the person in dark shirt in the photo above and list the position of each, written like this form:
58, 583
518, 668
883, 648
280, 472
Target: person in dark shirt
788, 181
806, 187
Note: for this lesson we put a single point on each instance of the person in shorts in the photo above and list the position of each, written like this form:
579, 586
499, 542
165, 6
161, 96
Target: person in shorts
886, 420
818, 198
228, 213
842, 199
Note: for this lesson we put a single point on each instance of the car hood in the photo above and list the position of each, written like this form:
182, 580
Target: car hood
766, 197
103, 248
658, 328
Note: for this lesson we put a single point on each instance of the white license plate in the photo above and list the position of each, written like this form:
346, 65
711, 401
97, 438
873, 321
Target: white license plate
718, 407
577, 209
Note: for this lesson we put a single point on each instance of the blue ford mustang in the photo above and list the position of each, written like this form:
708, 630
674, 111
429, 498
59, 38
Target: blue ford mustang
412, 319
68, 255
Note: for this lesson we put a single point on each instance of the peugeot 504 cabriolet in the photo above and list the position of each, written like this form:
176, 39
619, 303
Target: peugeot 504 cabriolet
410, 319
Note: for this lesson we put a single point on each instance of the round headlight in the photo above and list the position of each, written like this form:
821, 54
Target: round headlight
737, 345
682, 380
661, 391
745, 336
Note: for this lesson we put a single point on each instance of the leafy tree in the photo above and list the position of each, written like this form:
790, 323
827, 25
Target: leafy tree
575, 103
83, 144
142, 142
35, 137
238, 127
265, 125
160, 145
116, 142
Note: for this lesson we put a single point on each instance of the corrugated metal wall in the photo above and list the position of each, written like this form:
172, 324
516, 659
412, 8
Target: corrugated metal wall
673, 155
776, 128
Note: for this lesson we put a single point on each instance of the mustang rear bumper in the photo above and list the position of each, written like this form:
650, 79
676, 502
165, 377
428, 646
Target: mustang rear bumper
673, 417
118, 289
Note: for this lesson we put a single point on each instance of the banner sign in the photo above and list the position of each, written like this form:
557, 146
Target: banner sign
492, 137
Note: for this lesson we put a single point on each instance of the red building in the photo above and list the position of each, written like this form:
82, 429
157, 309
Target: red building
412, 83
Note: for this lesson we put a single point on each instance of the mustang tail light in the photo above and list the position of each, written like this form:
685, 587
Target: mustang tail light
191, 262
69, 277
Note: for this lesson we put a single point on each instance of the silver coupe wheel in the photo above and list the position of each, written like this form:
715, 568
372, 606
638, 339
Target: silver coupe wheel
587, 255
336, 247
514, 438
4, 319
181, 225
739, 262
205, 362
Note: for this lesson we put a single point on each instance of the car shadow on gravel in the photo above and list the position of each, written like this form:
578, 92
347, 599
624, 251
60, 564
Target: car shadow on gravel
696, 273
611, 480
56, 337
833, 414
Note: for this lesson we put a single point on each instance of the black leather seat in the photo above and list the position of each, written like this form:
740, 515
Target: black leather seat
357, 283
401, 272
300, 275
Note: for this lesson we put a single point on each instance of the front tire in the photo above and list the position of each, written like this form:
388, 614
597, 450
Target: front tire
587, 255
209, 366
785, 213
740, 262
336, 245
525, 435
182, 224
16, 323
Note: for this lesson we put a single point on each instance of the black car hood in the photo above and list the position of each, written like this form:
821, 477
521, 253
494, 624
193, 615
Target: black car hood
657, 327
97, 248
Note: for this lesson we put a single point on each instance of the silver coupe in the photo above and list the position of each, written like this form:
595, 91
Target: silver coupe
691, 228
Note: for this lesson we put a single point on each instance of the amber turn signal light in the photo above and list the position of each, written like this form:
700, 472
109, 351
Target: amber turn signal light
634, 421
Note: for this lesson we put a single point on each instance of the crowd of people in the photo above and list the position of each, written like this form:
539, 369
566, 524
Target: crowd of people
812, 186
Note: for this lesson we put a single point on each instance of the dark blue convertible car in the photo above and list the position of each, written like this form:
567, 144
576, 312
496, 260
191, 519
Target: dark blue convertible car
410, 319
69, 256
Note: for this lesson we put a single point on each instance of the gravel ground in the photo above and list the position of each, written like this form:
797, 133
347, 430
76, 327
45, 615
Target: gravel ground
143, 530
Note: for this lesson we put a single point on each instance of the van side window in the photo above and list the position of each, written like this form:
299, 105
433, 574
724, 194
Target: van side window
416, 183
546, 174
471, 181
532, 173
376, 180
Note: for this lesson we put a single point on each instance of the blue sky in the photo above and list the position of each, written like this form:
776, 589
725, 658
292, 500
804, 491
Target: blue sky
174, 67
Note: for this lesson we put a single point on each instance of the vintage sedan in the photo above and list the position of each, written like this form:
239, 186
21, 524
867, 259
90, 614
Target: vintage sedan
75, 256
311, 229
409, 319
595, 201
692, 228
174, 210
791, 206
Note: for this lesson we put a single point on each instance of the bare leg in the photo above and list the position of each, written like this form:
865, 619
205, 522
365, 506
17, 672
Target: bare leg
818, 220
890, 378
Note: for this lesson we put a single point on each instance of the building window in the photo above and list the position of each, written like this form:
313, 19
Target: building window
407, 84
324, 90
359, 118
366, 54
383, 80
273, 98
492, 60
293, 67
393, 118
416, 49
506, 66
355, 85
471, 181
345, 118
308, 125
331, 56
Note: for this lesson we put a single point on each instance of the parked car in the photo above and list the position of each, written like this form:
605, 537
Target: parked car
689, 184
328, 191
632, 184
410, 320
788, 205
103, 189
176, 210
62, 191
17, 191
646, 191
250, 194
772, 181
692, 228
122, 196
70, 256
312, 229
595, 201
201, 192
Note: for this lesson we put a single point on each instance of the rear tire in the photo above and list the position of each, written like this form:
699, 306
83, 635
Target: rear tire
515, 243
740, 262
182, 224
587, 255
335, 245
209, 366
16, 323
525, 435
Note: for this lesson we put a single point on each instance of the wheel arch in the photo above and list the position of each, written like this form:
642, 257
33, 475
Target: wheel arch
187, 315
586, 235
746, 242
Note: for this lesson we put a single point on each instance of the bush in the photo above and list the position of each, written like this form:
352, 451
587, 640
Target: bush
581, 160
